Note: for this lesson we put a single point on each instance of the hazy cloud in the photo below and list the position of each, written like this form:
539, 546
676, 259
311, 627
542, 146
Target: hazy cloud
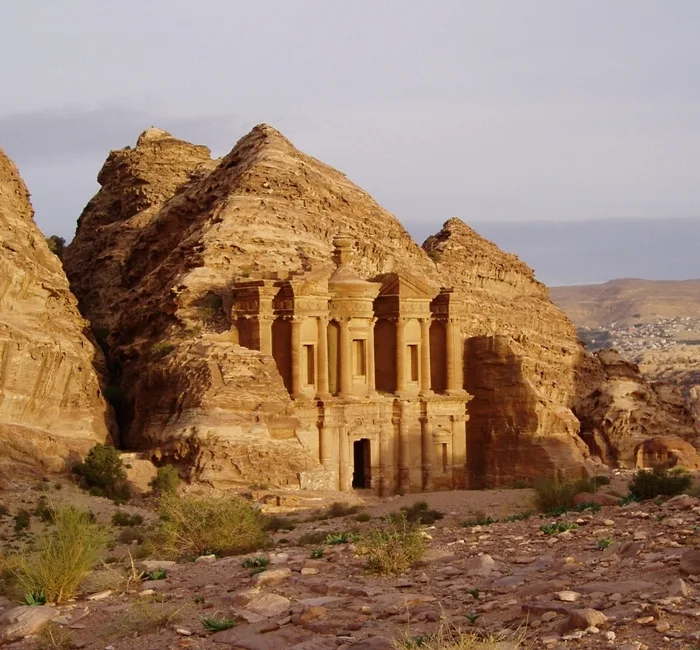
491, 111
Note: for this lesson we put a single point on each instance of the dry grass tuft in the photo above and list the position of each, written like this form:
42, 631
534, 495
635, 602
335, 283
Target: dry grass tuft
145, 616
63, 555
190, 527
450, 638
394, 549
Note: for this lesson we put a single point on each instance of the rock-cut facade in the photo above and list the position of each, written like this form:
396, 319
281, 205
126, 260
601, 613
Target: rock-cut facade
374, 369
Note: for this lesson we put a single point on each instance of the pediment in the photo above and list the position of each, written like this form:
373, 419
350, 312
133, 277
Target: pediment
405, 286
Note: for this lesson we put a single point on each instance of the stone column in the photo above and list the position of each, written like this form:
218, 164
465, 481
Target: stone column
404, 451
371, 379
400, 356
322, 391
384, 463
265, 334
325, 446
459, 452
426, 431
450, 356
345, 472
345, 358
296, 358
425, 357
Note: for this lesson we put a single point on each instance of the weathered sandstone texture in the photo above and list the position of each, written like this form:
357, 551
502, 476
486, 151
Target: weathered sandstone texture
51, 405
176, 242
625, 409
523, 362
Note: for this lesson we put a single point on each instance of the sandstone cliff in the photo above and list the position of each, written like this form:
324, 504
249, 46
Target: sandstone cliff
524, 363
625, 410
51, 404
161, 284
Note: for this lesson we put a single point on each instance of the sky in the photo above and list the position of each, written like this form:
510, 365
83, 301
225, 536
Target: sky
507, 114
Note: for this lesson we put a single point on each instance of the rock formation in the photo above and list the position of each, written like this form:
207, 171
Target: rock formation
625, 410
523, 361
51, 404
172, 234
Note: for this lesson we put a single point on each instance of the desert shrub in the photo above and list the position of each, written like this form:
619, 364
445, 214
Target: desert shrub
394, 549
338, 509
418, 513
334, 539
659, 481
557, 527
63, 555
553, 495
363, 517
479, 519
190, 526
22, 520
161, 349
449, 637
103, 473
216, 623
4, 510
316, 537
166, 480
43, 510
55, 637
274, 523
144, 616
124, 519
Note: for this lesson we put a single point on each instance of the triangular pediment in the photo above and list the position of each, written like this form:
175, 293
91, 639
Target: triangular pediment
405, 286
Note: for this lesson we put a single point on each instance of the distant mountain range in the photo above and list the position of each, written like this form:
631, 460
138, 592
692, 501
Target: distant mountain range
628, 301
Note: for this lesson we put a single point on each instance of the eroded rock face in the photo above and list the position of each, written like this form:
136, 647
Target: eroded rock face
171, 231
624, 410
523, 361
51, 404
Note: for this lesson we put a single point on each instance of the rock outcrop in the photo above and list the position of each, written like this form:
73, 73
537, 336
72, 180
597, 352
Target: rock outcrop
171, 231
51, 404
523, 361
625, 410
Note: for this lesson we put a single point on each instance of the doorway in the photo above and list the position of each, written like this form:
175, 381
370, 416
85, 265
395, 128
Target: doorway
362, 464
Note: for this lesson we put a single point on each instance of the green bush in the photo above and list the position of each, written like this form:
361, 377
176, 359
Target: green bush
648, 484
559, 496
22, 520
124, 519
394, 549
166, 480
62, 556
103, 473
418, 513
190, 527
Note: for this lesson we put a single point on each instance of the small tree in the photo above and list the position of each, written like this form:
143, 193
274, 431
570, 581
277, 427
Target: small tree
659, 482
166, 481
56, 245
103, 473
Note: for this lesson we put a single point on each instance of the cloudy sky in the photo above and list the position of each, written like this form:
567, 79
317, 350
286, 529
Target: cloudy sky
494, 111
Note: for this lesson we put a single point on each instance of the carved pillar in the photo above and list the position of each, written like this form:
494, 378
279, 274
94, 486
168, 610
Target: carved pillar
322, 391
400, 356
345, 472
325, 446
265, 334
371, 380
426, 431
296, 358
425, 356
383, 485
459, 452
450, 356
404, 451
345, 357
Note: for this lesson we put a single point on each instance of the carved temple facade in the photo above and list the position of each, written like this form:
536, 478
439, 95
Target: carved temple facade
374, 369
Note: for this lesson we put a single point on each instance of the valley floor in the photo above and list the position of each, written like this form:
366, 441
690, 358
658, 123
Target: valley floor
623, 577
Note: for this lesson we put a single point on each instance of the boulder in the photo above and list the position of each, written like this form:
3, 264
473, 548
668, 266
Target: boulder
20, 622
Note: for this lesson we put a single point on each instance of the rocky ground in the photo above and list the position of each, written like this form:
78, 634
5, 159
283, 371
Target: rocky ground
621, 577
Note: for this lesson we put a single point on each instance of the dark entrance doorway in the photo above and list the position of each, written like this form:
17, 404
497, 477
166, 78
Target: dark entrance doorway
362, 464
